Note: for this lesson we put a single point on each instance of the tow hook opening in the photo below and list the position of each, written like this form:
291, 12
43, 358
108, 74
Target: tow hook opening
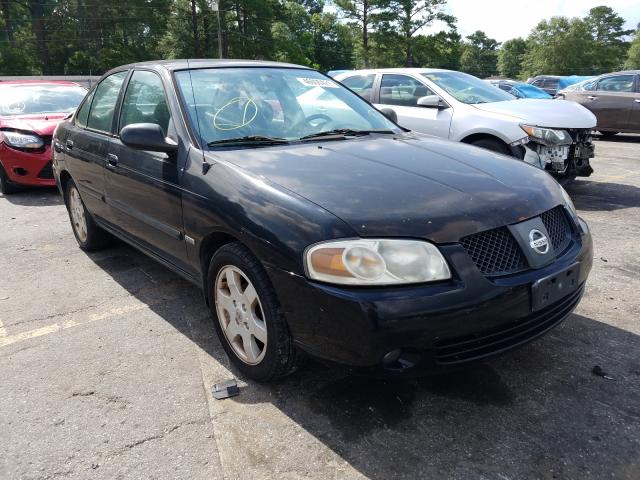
400, 361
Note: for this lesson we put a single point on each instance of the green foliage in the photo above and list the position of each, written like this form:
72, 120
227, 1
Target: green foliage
90, 37
633, 57
510, 57
557, 47
608, 46
479, 55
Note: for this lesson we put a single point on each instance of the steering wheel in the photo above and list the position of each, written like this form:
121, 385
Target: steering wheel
311, 118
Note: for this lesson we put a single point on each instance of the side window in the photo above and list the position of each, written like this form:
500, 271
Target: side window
83, 112
401, 90
551, 83
505, 87
619, 83
361, 84
104, 102
144, 101
538, 82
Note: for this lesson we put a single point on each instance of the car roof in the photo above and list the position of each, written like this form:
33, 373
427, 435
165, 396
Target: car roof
183, 64
398, 70
621, 72
39, 82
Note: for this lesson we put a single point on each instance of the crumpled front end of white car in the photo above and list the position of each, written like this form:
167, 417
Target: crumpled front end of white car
562, 152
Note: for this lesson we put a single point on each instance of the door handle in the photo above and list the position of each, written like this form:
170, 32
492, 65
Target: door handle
592, 97
69, 144
112, 160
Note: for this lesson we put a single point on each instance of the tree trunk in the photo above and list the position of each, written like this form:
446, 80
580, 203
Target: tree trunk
36, 8
365, 33
194, 26
5, 5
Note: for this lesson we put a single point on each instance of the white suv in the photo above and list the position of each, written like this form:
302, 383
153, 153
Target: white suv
552, 135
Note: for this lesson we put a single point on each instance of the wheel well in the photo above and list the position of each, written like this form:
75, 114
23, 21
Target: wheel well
210, 245
481, 136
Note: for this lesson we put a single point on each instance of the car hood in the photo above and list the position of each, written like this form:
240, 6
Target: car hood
40, 124
542, 113
409, 186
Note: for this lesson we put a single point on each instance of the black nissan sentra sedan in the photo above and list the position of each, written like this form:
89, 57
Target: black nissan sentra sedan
314, 224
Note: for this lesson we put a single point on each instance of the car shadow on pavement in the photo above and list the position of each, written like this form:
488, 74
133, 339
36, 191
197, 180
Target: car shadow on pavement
603, 196
539, 412
35, 197
619, 138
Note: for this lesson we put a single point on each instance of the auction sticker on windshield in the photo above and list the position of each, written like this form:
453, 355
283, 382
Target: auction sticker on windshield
317, 82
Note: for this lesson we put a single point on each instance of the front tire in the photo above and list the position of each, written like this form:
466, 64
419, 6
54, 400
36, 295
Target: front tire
247, 316
6, 187
491, 144
88, 234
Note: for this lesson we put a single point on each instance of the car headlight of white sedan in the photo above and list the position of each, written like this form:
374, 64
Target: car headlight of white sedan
547, 136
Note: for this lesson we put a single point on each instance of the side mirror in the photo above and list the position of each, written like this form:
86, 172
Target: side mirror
147, 136
431, 101
390, 114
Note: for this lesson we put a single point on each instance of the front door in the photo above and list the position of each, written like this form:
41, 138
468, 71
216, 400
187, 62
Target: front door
401, 94
142, 188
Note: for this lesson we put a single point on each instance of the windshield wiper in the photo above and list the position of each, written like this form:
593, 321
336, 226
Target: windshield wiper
342, 132
249, 140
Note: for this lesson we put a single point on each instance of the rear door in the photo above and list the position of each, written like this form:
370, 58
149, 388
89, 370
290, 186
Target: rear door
611, 101
142, 188
87, 142
401, 93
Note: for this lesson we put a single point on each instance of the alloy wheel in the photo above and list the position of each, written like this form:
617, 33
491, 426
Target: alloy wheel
78, 218
241, 315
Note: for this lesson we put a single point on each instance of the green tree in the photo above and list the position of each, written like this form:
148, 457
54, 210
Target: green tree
559, 46
609, 46
479, 55
408, 17
633, 55
363, 14
510, 57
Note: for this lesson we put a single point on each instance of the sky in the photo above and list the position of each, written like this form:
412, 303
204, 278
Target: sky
505, 19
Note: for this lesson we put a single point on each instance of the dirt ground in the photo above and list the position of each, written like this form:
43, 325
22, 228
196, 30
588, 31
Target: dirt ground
107, 362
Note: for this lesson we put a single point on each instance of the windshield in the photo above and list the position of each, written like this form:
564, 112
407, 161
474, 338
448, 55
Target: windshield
272, 103
39, 99
467, 88
531, 91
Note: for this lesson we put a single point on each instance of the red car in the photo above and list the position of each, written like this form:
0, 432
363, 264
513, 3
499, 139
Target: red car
30, 110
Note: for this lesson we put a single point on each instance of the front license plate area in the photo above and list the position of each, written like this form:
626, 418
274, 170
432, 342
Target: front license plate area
549, 290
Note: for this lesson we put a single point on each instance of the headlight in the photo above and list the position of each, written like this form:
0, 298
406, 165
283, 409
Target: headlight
548, 136
569, 203
21, 140
376, 262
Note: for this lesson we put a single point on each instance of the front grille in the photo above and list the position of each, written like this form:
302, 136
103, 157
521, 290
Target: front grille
469, 348
495, 252
47, 172
558, 228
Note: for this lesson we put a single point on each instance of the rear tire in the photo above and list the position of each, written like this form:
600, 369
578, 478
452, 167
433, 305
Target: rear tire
247, 315
88, 234
492, 144
6, 187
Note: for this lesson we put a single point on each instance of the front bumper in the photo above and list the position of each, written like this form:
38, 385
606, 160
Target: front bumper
28, 168
571, 160
435, 326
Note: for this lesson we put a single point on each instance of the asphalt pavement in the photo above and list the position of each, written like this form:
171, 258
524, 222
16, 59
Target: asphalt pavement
107, 361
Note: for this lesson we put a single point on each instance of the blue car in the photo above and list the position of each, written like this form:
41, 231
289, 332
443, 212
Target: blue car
520, 89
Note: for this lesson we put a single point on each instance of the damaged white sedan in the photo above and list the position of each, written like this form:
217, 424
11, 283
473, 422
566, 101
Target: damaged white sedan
554, 136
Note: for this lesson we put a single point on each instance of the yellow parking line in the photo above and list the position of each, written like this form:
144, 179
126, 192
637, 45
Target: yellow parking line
39, 332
